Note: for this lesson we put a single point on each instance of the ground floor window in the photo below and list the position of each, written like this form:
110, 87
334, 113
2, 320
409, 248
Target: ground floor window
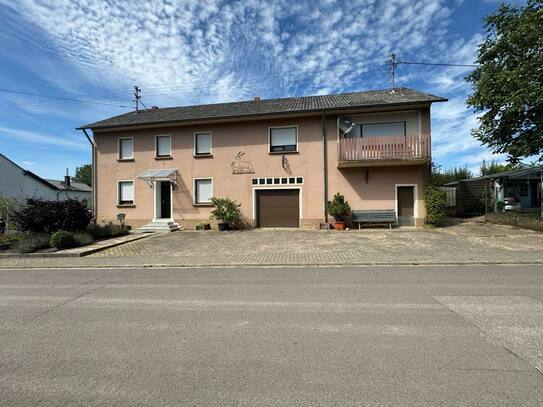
203, 190
126, 192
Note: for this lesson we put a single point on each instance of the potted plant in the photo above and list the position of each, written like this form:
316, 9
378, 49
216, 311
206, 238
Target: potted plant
339, 208
226, 211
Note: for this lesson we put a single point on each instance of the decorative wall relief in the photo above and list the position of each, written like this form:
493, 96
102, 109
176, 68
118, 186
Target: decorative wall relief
286, 164
241, 165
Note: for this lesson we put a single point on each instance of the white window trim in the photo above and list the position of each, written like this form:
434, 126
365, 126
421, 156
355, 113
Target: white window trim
156, 145
119, 191
119, 148
283, 127
210, 144
263, 187
194, 191
416, 198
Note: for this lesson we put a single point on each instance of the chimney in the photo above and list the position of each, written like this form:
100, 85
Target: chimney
67, 179
257, 99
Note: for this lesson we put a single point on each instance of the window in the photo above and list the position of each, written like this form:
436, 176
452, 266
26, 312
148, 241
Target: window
202, 143
203, 190
283, 139
163, 146
382, 129
126, 192
277, 181
126, 148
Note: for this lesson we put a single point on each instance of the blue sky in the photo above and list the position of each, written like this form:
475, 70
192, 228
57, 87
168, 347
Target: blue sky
200, 51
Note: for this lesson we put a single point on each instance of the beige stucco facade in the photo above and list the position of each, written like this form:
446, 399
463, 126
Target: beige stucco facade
365, 187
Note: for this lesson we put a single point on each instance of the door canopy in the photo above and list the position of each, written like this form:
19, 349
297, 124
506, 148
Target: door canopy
164, 174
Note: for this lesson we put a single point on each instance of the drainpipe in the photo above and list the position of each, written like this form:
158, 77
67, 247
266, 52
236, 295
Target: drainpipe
325, 166
93, 174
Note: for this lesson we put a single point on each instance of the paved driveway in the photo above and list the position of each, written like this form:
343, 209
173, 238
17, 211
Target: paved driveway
381, 336
468, 241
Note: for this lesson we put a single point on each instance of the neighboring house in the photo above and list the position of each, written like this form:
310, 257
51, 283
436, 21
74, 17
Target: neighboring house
281, 159
523, 184
16, 182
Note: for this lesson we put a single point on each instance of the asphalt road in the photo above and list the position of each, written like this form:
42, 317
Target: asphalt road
401, 336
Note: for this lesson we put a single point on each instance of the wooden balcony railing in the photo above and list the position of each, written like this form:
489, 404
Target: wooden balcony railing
393, 148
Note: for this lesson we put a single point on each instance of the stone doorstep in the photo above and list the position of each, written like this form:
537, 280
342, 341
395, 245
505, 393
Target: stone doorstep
83, 250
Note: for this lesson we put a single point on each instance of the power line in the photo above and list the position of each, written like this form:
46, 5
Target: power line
59, 98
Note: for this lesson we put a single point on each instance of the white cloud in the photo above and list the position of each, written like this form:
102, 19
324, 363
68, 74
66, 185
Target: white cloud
44, 139
28, 163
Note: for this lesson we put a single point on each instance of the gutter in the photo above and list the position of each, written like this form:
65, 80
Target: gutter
325, 166
93, 173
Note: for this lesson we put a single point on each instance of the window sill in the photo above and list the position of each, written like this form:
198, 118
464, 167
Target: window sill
203, 155
169, 157
121, 160
283, 152
126, 205
204, 204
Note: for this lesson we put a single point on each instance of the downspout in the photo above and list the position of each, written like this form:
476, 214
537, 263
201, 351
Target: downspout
93, 174
325, 166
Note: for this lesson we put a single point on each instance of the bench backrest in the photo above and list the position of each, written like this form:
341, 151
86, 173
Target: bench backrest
374, 215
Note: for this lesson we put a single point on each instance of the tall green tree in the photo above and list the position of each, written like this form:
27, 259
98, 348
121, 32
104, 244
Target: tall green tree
494, 167
83, 174
508, 84
439, 177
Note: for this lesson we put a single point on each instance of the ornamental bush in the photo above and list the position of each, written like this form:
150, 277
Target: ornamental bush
62, 240
435, 201
42, 216
226, 211
339, 208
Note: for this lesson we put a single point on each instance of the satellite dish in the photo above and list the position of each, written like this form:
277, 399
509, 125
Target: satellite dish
344, 123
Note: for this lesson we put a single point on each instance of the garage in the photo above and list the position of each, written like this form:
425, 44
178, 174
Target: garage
278, 208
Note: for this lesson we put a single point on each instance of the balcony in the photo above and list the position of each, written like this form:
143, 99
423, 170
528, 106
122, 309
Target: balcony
383, 151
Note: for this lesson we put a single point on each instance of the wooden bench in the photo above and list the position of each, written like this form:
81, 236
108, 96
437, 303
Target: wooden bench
375, 217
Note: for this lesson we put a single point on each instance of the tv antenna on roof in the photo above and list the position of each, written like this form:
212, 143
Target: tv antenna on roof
137, 97
393, 66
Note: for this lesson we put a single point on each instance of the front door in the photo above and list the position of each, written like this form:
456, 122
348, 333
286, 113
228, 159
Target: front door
165, 200
406, 206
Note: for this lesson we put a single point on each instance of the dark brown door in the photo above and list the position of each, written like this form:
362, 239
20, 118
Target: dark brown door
406, 206
278, 208
165, 200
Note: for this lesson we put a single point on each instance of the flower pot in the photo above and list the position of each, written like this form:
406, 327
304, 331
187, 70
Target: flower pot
340, 225
222, 226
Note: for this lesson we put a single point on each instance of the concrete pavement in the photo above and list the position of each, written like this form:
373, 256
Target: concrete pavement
392, 336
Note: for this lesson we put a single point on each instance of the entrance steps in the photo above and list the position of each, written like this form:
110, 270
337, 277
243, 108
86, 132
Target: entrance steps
158, 226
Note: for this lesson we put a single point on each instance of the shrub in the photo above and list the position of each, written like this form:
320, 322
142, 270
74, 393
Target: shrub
42, 216
500, 206
31, 242
106, 230
226, 211
9, 241
339, 208
435, 201
62, 240
83, 238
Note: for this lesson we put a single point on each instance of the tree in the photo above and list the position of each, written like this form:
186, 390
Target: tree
508, 84
83, 174
494, 167
439, 177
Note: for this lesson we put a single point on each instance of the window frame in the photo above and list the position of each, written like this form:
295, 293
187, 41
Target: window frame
195, 144
404, 122
195, 191
126, 203
296, 149
119, 150
156, 146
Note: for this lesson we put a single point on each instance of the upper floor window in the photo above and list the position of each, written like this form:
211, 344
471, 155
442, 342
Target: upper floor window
163, 146
283, 139
202, 143
382, 129
203, 190
126, 148
125, 193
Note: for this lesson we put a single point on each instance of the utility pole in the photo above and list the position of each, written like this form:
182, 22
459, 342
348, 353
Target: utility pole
137, 97
393, 66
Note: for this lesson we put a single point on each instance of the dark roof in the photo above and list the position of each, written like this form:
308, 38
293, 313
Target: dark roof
74, 185
522, 173
252, 108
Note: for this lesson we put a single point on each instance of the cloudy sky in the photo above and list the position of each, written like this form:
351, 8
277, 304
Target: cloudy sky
203, 51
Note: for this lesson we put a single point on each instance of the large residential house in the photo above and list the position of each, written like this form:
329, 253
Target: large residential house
281, 159
18, 183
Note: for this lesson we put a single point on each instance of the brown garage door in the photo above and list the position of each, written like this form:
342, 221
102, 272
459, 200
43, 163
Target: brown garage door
278, 208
